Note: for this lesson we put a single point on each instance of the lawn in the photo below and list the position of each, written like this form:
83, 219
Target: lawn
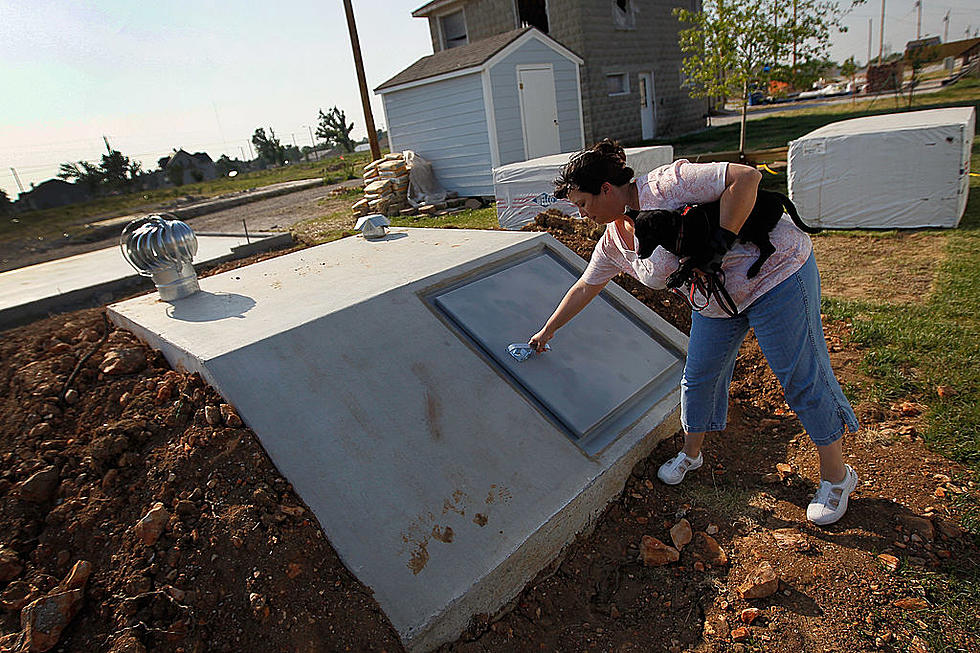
778, 131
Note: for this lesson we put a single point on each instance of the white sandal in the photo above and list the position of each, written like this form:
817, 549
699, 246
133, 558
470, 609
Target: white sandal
830, 502
672, 472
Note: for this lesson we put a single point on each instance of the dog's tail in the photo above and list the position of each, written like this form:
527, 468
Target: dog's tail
793, 213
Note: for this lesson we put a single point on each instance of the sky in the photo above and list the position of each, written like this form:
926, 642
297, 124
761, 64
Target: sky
200, 75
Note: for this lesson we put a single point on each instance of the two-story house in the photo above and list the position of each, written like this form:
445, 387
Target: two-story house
631, 78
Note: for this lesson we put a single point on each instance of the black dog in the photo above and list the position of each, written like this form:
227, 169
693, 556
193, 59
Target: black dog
688, 233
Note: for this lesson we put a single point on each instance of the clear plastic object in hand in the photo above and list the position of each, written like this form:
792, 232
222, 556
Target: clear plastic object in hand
521, 351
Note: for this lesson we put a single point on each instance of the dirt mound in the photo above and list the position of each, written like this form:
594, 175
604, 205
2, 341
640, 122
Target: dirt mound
196, 543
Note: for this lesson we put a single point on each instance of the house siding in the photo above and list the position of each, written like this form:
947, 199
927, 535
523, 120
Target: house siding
445, 122
586, 27
483, 18
506, 101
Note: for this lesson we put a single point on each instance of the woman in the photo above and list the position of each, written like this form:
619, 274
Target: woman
781, 304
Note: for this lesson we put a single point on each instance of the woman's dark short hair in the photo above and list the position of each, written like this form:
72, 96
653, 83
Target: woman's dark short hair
592, 167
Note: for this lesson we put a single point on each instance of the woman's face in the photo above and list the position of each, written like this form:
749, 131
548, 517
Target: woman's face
603, 207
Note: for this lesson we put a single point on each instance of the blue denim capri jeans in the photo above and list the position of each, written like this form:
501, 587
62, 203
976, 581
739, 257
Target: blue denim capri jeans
787, 325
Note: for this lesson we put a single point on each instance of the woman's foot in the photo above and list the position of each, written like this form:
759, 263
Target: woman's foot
830, 502
672, 472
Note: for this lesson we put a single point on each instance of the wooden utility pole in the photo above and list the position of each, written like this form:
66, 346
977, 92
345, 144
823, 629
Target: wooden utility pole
362, 82
946, 27
918, 20
869, 43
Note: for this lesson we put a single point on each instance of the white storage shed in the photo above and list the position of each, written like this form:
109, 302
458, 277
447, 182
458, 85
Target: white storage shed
899, 170
510, 97
525, 189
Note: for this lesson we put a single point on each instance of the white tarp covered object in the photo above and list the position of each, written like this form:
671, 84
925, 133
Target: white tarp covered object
900, 170
525, 189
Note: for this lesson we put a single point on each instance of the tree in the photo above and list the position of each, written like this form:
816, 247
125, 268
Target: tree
848, 69
118, 171
333, 128
6, 206
269, 148
732, 46
83, 172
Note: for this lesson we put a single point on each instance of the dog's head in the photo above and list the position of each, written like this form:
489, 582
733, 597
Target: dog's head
654, 228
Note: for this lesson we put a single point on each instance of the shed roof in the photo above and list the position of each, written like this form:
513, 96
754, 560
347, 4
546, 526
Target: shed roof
454, 59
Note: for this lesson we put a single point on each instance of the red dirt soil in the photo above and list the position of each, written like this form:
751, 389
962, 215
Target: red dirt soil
242, 565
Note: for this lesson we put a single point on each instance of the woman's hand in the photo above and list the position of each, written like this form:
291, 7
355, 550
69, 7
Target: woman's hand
540, 339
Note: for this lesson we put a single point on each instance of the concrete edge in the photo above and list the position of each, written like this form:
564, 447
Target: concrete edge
577, 518
116, 289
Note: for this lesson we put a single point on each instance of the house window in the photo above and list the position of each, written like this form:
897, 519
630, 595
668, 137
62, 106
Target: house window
618, 84
453, 29
624, 14
533, 13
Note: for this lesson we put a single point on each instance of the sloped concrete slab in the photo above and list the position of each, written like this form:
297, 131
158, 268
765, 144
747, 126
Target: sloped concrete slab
444, 479
97, 277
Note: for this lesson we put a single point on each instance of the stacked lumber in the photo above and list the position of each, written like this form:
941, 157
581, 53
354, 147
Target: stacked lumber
385, 187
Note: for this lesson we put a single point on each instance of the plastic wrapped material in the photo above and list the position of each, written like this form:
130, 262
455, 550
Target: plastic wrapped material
423, 187
525, 189
901, 170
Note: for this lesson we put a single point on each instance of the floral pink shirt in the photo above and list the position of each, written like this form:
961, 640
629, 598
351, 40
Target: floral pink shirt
672, 187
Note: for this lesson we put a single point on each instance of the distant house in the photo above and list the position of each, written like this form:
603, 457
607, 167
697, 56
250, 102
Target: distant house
931, 50
53, 193
632, 85
191, 168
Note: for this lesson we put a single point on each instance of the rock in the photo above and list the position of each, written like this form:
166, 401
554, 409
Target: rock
473, 203
919, 525
229, 416
948, 529
40, 431
761, 582
77, 577
888, 561
912, 603
260, 607
71, 396
16, 595
149, 528
740, 634
655, 553
748, 615
41, 486
708, 550
10, 564
125, 360
45, 618
712, 529
784, 470
716, 626
127, 644
681, 534
186, 508
789, 538
212, 415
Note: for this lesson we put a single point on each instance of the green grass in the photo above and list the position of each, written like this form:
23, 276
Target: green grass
50, 223
913, 349
777, 131
485, 218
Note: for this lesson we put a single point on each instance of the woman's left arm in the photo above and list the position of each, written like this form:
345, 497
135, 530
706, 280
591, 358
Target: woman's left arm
736, 203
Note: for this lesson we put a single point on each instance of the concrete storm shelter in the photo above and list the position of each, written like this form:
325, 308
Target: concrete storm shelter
375, 373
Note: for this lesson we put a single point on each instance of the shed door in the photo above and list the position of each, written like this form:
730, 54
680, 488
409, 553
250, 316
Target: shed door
539, 110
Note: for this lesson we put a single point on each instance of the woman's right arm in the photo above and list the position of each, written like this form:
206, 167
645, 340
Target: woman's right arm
577, 297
